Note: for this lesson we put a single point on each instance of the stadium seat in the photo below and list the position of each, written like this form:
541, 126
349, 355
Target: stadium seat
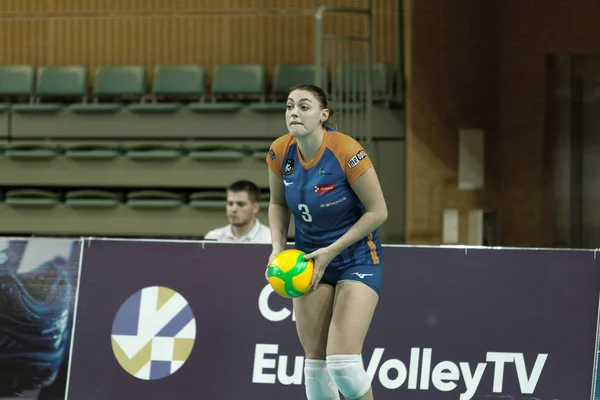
233, 151
154, 151
247, 81
174, 83
349, 79
154, 199
119, 84
208, 199
285, 77
31, 198
60, 83
16, 82
92, 199
264, 199
260, 154
31, 151
92, 151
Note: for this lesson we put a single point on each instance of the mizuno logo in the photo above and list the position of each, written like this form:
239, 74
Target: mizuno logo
361, 276
286, 183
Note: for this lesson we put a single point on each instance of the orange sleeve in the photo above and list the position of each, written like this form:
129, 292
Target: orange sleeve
352, 156
276, 153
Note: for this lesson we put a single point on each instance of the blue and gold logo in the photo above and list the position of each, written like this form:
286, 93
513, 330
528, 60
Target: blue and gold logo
153, 333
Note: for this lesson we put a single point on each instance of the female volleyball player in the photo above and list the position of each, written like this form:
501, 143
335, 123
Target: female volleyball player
326, 179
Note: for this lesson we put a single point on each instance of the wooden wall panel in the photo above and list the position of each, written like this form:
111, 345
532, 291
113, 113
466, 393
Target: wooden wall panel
23, 6
208, 32
24, 41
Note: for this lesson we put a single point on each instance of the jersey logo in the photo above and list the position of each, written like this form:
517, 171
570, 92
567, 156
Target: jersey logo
361, 276
334, 203
357, 158
287, 183
323, 172
289, 167
272, 154
324, 188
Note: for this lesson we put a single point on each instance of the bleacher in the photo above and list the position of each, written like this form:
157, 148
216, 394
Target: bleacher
127, 151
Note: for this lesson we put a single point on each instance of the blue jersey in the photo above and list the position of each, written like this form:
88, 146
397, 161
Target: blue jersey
320, 196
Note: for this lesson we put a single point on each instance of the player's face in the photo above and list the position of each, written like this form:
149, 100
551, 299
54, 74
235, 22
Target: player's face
240, 210
303, 113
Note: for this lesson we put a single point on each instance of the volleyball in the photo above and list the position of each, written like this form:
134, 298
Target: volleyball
290, 274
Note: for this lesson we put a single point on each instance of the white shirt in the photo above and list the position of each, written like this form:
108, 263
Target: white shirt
258, 234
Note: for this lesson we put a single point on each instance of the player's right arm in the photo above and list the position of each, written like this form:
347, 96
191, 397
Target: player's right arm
279, 214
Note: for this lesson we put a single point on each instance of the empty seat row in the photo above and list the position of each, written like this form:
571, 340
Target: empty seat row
170, 82
100, 198
141, 151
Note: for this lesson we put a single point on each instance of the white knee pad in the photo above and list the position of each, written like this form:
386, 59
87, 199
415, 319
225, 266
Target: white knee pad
348, 373
318, 382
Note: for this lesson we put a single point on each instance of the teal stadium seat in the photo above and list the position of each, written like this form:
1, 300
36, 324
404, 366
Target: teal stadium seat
350, 79
217, 200
31, 198
31, 150
89, 198
208, 199
16, 84
172, 84
61, 84
93, 151
117, 84
154, 151
55, 88
234, 81
285, 77
16, 81
154, 199
232, 151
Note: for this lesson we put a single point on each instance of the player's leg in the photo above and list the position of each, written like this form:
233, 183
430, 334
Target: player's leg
313, 316
355, 301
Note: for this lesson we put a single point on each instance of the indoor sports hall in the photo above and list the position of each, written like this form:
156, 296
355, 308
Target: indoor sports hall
128, 270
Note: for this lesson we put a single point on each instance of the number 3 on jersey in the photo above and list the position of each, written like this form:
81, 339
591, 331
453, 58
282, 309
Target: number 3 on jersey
305, 212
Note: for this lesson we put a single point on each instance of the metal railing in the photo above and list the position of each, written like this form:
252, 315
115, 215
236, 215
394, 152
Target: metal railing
343, 68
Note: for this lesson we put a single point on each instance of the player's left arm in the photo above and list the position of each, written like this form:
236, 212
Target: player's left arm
368, 189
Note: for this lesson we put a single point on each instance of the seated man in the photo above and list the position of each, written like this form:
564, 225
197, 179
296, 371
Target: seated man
242, 206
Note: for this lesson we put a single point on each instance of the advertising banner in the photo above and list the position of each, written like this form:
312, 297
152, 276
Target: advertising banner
164, 320
38, 285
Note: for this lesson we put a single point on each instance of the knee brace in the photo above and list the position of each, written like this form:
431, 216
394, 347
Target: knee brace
348, 373
318, 382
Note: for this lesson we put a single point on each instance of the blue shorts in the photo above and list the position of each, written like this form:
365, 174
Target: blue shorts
370, 275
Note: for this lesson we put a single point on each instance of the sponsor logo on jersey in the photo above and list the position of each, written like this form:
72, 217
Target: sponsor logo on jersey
324, 188
272, 154
358, 157
323, 172
334, 203
289, 167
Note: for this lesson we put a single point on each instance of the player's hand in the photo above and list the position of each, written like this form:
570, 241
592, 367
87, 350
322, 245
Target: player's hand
271, 257
321, 259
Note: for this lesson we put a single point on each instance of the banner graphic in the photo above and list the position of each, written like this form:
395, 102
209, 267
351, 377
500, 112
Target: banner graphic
164, 320
38, 286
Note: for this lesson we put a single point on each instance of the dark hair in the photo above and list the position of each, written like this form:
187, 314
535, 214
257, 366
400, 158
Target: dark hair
320, 95
246, 186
